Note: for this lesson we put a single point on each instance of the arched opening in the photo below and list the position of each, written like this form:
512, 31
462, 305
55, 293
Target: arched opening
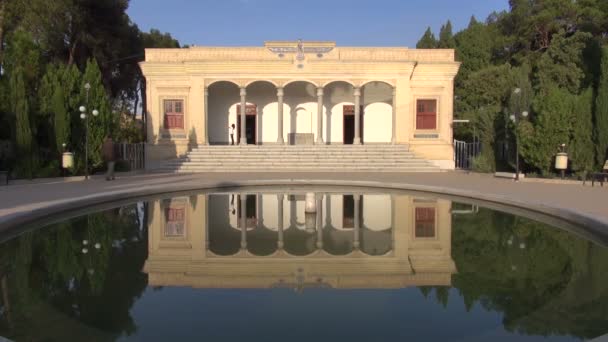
339, 118
223, 97
223, 236
377, 114
300, 120
261, 116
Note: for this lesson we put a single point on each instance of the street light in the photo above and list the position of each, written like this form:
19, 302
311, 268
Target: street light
85, 117
515, 117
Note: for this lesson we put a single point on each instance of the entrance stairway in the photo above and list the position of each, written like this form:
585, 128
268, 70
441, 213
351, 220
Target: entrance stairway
339, 158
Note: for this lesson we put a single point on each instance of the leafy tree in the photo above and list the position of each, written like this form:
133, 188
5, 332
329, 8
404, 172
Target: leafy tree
601, 112
446, 37
484, 94
549, 128
562, 64
428, 40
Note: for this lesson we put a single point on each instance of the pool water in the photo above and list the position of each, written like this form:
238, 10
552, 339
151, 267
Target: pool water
299, 265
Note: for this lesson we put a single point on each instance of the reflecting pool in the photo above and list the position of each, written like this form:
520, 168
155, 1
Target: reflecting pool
302, 264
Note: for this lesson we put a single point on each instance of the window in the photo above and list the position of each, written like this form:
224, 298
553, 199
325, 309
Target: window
251, 109
350, 110
425, 222
174, 114
426, 114
174, 222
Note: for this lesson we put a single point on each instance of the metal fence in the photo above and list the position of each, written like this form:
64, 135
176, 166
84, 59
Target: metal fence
133, 154
464, 153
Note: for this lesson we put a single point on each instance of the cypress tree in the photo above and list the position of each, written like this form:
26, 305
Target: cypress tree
61, 119
601, 112
104, 123
428, 40
446, 37
21, 108
551, 127
581, 150
473, 22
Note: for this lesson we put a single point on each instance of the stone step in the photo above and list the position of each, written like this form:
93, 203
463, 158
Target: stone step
318, 169
339, 158
300, 161
372, 146
300, 150
297, 157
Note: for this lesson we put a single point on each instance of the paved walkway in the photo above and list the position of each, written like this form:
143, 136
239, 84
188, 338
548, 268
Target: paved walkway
582, 204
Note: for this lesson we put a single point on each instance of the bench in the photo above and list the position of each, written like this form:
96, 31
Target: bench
598, 176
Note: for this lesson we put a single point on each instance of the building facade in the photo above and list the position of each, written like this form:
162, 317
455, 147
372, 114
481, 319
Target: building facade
298, 92
299, 240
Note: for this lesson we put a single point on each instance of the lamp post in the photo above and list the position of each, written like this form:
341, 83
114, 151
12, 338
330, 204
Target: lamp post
515, 117
84, 116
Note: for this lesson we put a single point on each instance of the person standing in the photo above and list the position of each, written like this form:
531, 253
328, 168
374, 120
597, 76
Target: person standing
108, 155
231, 128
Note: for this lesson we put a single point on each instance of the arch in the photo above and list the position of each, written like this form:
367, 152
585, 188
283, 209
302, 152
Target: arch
223, 95
301, 80
378, 81
261, 81
262, 241
212, 82
223, 240
337, 81
299, 242
376, 243
337, 241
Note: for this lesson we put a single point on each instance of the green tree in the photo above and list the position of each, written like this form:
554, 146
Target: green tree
581, 150
103, 124
601, 112
550, 127
21, 108
428, 40
446, 37
562, 64
61, 120
484, 95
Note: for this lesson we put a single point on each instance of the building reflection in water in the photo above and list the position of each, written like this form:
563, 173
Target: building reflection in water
299, 240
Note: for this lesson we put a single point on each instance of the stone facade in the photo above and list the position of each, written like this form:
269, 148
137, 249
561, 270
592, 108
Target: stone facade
300, 88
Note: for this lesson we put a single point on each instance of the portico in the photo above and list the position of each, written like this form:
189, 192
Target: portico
300, 93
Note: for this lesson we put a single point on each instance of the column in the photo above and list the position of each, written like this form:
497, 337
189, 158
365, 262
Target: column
243, 117
260, 211
280, 140
320, 115
243, 221
206, 116
394, 138
280, 244
319, 222
357, 140
357, 198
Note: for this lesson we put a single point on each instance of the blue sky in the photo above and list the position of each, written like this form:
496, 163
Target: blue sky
348, 22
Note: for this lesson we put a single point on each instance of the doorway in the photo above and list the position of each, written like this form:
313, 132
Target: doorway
348, 124
250, 124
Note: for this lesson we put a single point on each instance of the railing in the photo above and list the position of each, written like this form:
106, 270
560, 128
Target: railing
464, 153
133, 154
